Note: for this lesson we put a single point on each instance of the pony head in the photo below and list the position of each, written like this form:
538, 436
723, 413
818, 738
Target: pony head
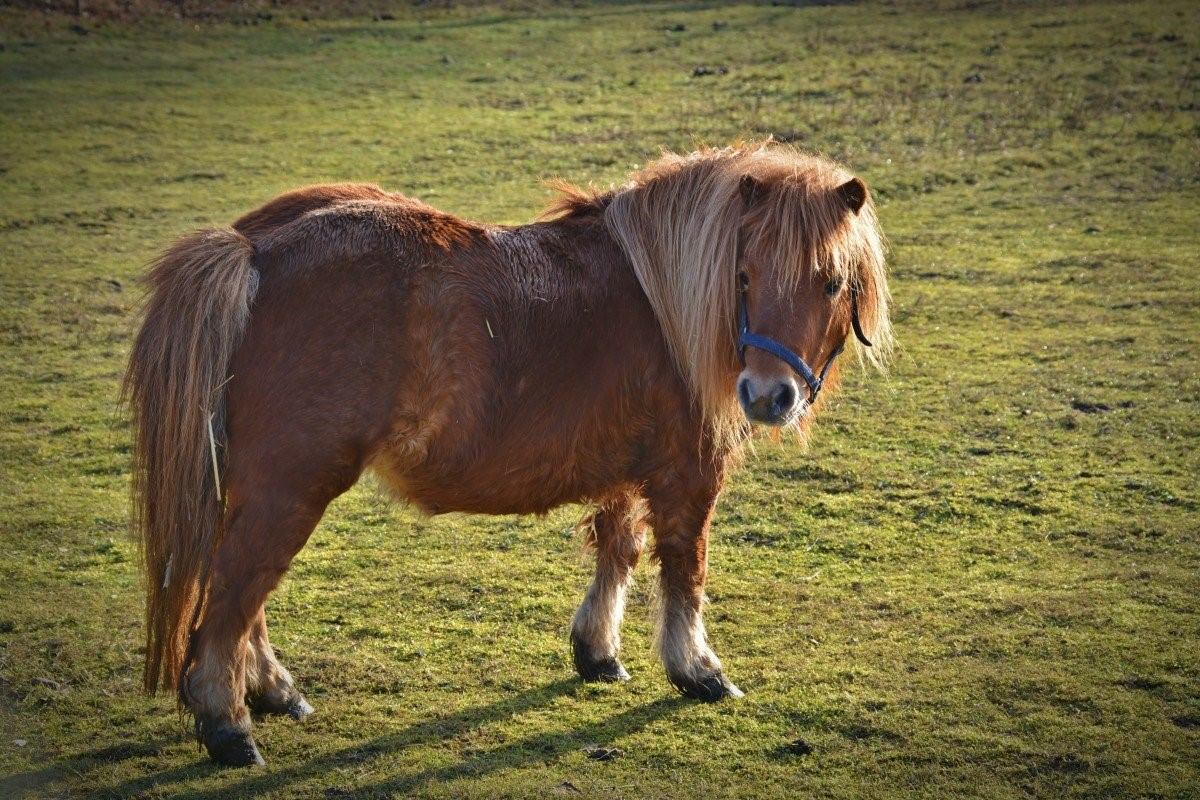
792, 238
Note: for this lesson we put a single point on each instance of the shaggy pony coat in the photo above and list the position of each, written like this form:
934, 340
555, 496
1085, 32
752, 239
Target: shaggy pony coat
587, 357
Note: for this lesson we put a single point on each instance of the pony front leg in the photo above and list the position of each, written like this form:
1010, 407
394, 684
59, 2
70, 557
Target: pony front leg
617, 533
681, 529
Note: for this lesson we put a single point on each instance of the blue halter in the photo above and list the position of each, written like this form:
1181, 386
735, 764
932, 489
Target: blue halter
814, 380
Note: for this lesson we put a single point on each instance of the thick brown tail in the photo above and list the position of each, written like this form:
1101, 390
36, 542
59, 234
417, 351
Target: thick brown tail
198, 306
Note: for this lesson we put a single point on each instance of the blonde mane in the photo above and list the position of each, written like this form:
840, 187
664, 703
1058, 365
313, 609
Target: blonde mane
679, 219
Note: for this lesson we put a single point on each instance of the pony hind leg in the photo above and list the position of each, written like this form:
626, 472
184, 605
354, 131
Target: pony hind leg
269, 686
617, 533
264, 530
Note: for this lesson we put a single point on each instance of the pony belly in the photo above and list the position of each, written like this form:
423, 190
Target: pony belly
483, 490
493, 477
450, 456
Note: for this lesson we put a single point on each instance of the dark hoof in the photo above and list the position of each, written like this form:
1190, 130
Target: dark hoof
709, 688
299, 708
604, 670
231, 747
590, 668
294, 706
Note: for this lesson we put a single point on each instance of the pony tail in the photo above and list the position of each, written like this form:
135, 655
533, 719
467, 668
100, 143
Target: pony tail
200, 292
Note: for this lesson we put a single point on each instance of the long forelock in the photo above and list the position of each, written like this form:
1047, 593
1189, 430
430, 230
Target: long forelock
806, 227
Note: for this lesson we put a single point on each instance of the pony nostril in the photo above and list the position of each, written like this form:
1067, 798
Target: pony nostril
785, 398
744, 392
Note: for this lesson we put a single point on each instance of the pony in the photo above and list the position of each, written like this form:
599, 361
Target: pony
615, 353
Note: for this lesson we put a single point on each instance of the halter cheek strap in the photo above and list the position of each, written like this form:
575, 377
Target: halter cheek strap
768, 345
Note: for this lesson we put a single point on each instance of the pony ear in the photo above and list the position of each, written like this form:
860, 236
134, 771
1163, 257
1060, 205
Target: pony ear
854, 194
750, 189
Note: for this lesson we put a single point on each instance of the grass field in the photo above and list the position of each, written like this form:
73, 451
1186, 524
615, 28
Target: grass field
980, 580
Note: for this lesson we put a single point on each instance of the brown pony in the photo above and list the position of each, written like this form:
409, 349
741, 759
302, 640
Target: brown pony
593, 356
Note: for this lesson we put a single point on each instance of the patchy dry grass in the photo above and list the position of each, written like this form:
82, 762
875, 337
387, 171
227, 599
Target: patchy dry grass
981, 579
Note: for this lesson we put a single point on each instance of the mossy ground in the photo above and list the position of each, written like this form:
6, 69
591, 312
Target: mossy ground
979, 581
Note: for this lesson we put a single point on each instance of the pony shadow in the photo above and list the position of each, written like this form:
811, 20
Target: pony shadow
80, 764
539, 748
536, 748
438, 729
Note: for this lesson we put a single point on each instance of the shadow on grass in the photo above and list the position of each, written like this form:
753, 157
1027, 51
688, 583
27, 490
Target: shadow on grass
539, 748
536, 748
80, 764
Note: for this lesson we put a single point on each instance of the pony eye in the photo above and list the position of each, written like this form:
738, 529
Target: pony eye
833, 287
743, 281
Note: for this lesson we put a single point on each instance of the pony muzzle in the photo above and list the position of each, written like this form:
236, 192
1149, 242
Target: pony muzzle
770, 401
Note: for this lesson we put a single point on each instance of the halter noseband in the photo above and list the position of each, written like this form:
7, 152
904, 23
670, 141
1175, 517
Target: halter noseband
766, 344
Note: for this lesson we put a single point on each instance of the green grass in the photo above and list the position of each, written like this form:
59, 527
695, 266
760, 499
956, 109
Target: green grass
979, 581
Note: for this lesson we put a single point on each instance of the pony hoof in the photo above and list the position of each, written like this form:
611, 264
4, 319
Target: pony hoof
592, 669
232, 747
299, 708
294, 706
604, 670
708, 688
